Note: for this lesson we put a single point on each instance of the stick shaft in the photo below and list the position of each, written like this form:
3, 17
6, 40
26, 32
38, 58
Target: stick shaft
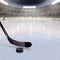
6, 34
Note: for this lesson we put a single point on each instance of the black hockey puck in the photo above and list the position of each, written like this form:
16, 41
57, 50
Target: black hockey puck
19, 50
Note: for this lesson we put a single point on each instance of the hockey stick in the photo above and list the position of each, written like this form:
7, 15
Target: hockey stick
14, 42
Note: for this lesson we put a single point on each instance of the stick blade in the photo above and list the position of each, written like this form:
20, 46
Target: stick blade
28, 44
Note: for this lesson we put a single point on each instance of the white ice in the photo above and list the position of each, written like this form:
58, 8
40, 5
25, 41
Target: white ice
44, 33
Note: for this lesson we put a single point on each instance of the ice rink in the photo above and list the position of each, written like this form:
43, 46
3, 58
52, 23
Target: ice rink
42, 32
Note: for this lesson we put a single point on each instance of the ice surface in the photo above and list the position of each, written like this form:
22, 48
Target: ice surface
45, 38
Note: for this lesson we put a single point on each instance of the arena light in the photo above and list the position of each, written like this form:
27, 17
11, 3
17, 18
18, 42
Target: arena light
4, 2
56, 1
